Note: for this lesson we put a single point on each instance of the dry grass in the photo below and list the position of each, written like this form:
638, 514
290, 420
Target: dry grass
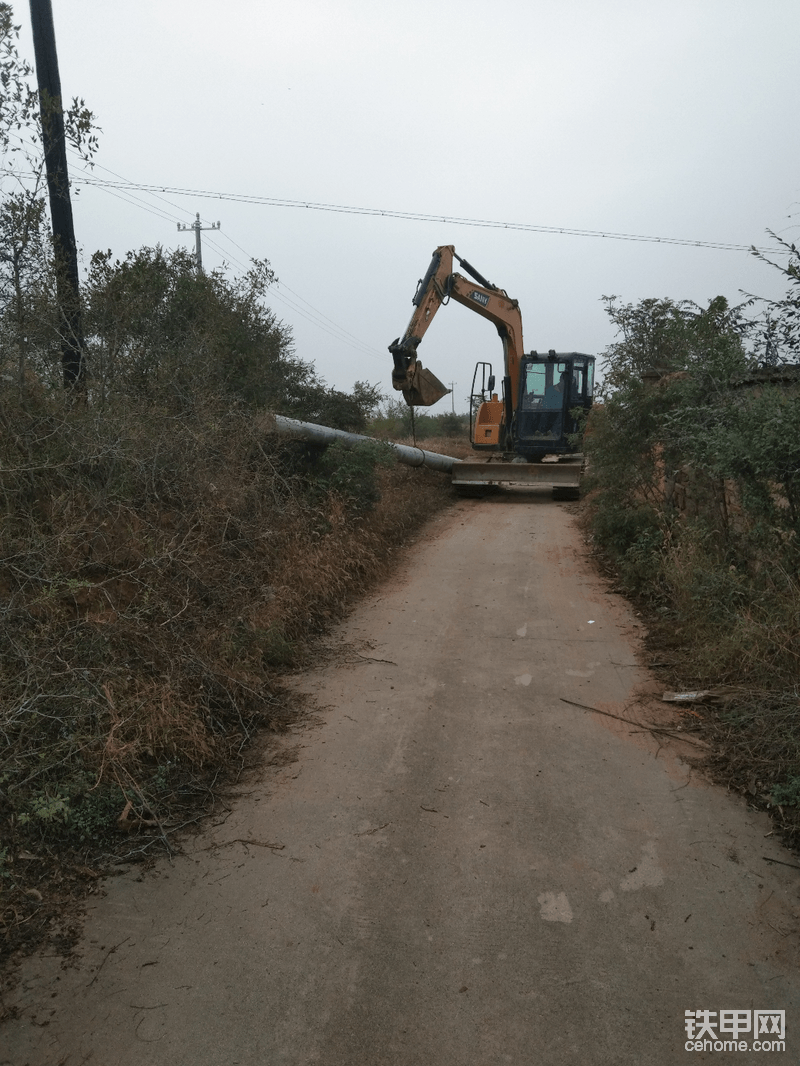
159, 575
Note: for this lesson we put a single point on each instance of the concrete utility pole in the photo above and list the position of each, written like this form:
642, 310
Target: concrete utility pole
55, 156
198, 229
453, 396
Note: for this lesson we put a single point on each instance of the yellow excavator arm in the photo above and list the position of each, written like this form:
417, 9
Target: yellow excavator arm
440, 284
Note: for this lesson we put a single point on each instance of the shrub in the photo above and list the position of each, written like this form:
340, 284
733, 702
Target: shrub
352, 472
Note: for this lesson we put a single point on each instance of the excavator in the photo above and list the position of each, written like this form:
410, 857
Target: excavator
534, 415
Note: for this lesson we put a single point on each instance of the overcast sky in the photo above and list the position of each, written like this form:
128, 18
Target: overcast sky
664, 118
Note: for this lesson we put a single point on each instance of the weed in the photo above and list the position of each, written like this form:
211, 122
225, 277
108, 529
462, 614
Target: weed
352, 472
44, 807
787, 794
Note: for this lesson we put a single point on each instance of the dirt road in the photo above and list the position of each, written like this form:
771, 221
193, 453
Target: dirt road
459, 869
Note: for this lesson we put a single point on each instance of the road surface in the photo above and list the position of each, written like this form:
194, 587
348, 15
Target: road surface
459, 868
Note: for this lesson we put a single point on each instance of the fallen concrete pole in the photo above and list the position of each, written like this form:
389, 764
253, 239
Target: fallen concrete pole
468, 476
290, 427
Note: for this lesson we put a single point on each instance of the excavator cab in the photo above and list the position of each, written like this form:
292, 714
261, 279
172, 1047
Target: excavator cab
552, 388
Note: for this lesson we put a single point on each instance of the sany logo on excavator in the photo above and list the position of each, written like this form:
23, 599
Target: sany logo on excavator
479, 297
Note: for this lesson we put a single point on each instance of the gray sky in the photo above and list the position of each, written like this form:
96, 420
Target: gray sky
674, 119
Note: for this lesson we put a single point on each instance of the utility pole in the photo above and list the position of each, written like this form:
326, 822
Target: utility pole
453, 396
198, 229
55, 156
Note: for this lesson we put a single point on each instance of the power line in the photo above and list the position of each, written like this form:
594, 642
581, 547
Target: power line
136, 201
419, 216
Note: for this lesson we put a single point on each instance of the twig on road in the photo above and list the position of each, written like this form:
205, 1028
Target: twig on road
371, 659
433, 810
110, 951
791, 865
629, 721
245, 840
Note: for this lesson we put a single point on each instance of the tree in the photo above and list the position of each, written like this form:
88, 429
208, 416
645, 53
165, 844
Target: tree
158, 331
667, 336
664, 397
779, 338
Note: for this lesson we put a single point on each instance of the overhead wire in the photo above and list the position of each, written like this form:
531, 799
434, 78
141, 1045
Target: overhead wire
419, 216
138, 202
123, 189
269, 201
346, 337
126, 184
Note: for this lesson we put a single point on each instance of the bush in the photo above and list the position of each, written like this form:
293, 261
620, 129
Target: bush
352, 472
395, 421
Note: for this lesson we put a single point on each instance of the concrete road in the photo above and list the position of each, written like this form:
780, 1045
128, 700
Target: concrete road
459, 869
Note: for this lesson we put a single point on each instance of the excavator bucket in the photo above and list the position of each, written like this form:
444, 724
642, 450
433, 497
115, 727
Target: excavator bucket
423, 389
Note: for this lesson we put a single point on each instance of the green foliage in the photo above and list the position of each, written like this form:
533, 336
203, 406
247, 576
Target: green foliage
668, 336
74, 809
451, 424
45, 808
394, 420
633, 536
159, 331
664, 395
352, 472
755, 440
93, 813
331, 407
778, 339
787, 794
682, 413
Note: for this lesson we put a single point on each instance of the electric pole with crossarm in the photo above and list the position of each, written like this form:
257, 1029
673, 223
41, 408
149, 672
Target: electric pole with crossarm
198, 228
